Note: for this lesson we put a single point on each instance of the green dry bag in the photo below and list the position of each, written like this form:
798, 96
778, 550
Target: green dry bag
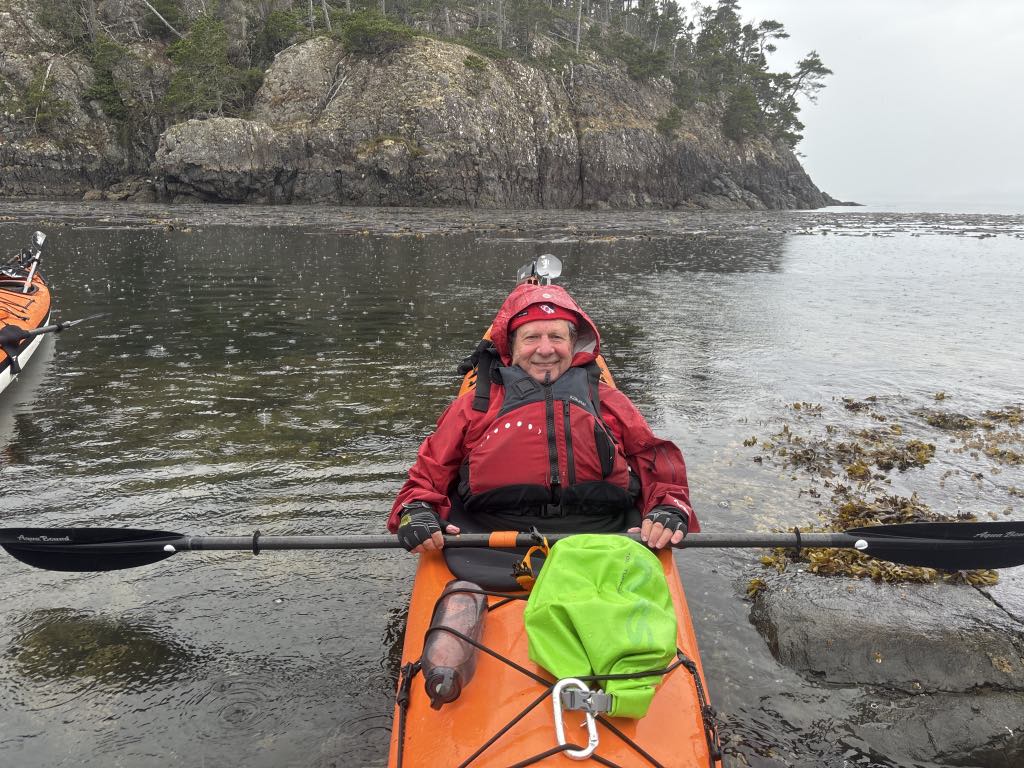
601, 606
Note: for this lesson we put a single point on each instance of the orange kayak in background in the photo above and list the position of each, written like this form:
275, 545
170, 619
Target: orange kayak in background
24, 304
505, 715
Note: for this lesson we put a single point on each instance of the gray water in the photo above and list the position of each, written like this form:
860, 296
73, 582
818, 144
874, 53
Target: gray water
276, 368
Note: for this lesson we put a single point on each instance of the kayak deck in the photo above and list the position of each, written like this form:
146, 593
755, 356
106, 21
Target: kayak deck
672, 733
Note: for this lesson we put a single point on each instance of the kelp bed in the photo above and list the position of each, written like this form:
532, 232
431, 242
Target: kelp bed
855, 466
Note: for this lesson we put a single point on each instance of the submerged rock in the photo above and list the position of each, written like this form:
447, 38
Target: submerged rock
944, 664
970, 730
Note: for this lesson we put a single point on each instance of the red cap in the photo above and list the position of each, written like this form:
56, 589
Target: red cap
542, 311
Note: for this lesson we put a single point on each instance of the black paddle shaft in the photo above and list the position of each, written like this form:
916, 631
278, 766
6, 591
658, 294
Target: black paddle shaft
946, 546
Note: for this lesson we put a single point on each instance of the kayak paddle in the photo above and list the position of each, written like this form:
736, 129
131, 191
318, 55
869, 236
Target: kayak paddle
58, 327
945, 546
11, 336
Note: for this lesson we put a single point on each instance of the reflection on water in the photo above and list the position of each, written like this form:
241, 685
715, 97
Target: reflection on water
282, 377
17, 428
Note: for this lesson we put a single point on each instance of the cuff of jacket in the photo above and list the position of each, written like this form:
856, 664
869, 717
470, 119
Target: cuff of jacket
441, 504
693, 525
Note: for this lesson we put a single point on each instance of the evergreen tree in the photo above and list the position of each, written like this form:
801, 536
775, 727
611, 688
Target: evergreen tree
809, 76
204, 81
712, 57
743, 116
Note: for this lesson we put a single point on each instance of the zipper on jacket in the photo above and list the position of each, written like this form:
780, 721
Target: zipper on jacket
549, 410
571, 468
606, 448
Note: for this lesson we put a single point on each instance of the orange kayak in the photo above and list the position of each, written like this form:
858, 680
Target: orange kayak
505, 715
471, 731
21, 309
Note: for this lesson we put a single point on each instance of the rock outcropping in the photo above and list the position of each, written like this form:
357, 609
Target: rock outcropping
422, 127
943, 665
31, 164
428, 125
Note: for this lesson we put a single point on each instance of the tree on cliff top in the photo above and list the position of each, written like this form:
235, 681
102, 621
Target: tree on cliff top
369, 33
204, 80
729, 61
712, 56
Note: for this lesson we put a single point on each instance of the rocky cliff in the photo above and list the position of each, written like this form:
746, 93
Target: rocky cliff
428, 125
423, 127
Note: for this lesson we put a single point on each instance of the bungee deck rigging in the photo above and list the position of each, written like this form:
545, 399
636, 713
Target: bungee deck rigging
564, 699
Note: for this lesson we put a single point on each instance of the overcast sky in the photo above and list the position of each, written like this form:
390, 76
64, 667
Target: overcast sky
926, 103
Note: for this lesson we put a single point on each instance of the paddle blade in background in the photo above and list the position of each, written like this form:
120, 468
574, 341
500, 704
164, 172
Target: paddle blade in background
946, 546
87, 549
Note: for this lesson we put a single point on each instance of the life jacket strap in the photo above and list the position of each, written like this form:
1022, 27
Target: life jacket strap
485, 360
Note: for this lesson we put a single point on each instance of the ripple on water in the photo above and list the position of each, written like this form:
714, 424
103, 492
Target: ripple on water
360, 735
226, 706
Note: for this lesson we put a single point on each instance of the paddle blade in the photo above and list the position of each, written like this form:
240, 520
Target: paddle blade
87, 549
946, 546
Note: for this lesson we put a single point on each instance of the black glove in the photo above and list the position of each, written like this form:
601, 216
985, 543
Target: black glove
673, 518
418, 522
13, 335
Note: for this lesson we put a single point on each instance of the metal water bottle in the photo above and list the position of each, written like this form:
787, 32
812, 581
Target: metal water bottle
449, 661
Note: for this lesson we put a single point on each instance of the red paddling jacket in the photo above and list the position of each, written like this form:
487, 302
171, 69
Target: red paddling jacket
572, 455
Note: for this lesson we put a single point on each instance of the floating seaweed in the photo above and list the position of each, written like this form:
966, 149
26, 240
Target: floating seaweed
875, 448
953, 422
853, 564
755, 587
1012, 416
858, 470
859, 405
1004, 455
811, 409
862, 457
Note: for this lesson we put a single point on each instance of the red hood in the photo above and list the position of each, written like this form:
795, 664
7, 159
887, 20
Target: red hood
588, 340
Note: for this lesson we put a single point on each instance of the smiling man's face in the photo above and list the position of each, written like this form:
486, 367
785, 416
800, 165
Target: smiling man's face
543, 346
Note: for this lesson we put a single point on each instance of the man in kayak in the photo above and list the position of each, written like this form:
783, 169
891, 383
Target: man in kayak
544, 444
